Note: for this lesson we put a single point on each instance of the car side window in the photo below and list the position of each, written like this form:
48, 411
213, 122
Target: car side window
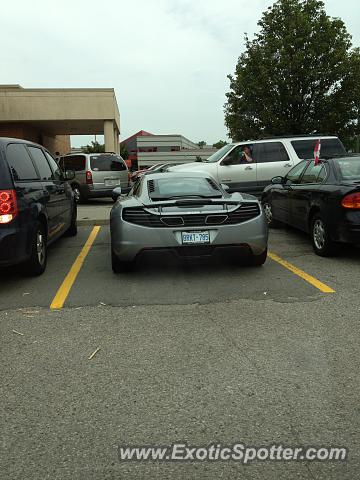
311, 173
41, 163
237, 155
73, 162
295, 173
322, 174
20, 163
271, 152
54, 167
231, 158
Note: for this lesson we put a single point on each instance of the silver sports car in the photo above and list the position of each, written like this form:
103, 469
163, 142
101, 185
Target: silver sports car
189, 214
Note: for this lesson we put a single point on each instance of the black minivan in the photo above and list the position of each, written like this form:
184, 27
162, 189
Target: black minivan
37, 204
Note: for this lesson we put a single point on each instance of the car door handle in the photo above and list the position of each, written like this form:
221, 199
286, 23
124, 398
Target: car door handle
248, 168
287, 165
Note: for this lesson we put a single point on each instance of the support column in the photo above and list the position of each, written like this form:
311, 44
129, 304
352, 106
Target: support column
116, 141
109, 136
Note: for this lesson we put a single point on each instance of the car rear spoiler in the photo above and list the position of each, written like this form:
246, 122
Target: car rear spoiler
193, 202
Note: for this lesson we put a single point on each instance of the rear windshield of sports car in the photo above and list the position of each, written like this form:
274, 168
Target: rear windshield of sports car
329, 147
349, 168
182, 187
106, 163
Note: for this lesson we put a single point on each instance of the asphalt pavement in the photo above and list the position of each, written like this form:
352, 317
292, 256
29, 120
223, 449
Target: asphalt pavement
196, 352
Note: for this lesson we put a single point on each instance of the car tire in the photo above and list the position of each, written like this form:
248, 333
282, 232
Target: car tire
36, 264
118, 266
320, 237
267, 207
79, 197
72, 230
258, 260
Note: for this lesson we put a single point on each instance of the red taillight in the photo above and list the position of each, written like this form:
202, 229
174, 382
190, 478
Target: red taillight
351, 201
8, 206
89, 179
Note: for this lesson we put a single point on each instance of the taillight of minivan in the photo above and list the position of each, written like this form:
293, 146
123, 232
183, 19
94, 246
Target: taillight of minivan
89, 179
8, 206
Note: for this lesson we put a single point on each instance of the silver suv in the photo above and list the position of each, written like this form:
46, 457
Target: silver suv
267, 158
96, 174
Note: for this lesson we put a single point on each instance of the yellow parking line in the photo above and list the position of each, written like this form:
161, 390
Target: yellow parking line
70, 278
300, 273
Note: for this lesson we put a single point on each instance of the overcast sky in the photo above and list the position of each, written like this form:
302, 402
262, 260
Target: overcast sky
167, 59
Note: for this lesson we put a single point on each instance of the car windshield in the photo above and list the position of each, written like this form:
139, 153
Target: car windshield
219, 154
183, 187
106, 163
330, 147
349, 168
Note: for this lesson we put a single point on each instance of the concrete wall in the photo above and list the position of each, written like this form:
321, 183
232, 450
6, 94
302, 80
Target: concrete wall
58, 143
149, 141
182, 156
20, 104
20, 130
49, 115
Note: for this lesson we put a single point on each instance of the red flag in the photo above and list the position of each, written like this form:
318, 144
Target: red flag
317, 152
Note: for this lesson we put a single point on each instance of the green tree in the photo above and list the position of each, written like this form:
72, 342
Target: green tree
298, 75
124, 151
220, 144
95, 147
202, 143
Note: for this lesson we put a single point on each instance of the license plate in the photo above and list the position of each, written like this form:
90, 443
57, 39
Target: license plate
112, 183
195, 237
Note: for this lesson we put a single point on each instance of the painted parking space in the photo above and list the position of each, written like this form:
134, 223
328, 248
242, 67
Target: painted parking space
79, 274
18, 290
162, 279
341, 272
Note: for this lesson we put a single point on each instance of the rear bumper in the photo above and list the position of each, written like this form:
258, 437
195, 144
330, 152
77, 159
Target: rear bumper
100, 193
104, 192
348, 230
12, 246
129, 239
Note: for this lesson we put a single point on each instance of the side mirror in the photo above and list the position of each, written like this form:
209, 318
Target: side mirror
227, 161
225, 187
277, 180
68, 175
116, 193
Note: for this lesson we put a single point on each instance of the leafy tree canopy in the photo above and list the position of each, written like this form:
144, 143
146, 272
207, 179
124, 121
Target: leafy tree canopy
124, 151
95, 147
220, 144
298, 75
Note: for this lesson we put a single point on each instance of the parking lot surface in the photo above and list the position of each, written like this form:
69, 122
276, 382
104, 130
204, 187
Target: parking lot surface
197, 352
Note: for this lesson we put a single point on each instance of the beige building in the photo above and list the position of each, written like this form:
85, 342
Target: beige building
50, 116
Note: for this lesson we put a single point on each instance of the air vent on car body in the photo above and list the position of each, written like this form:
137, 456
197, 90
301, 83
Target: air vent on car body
145, 218
151, 186
172, 221
215, 219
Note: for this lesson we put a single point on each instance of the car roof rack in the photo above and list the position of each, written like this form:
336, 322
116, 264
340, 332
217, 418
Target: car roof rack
306, 135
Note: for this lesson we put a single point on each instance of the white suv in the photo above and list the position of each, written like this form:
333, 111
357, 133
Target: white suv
270, 157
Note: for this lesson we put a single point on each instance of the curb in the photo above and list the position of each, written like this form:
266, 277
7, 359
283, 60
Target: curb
91, 222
